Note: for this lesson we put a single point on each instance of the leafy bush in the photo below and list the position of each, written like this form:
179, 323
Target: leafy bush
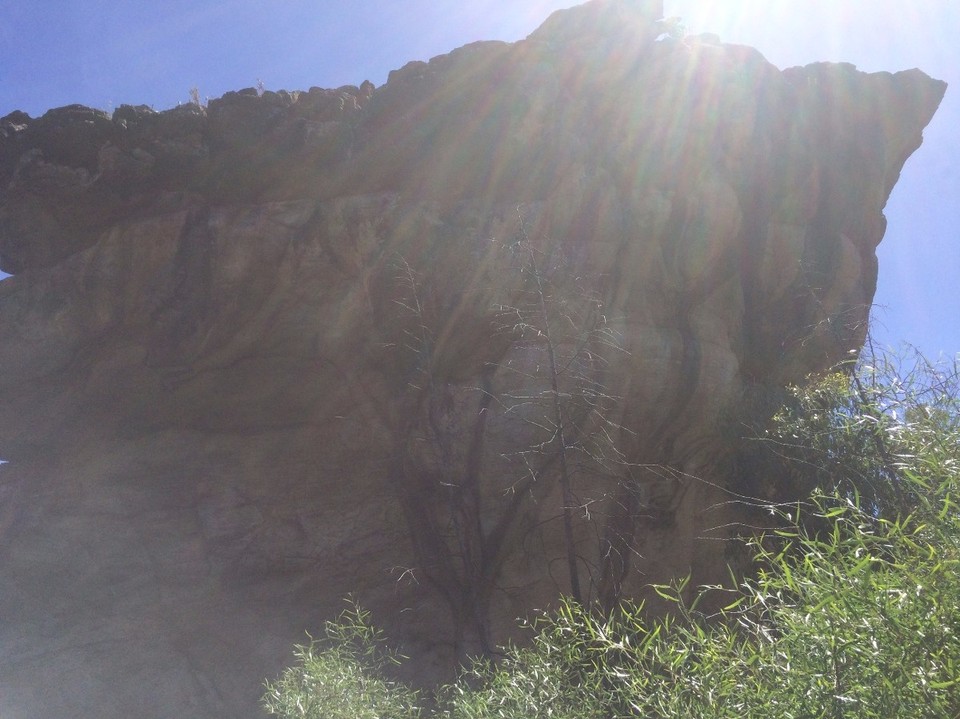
846, 432
854, 610
341, 677
861, 622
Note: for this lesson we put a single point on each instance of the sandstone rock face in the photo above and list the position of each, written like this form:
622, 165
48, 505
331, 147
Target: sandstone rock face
263, 354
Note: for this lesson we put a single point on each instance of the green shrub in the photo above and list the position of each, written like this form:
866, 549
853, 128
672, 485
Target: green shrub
341, 677
853, 612
855, 607
848, 432
862, 622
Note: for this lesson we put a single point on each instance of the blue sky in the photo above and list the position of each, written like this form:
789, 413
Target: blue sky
104, 53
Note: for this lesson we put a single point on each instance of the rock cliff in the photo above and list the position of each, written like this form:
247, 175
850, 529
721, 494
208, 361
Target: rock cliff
455, 344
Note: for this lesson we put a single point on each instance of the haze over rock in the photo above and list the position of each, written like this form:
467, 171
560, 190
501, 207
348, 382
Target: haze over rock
289, 346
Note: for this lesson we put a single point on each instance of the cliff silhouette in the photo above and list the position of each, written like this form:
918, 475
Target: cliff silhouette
455, 345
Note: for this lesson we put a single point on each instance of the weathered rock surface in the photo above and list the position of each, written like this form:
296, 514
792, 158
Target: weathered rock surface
260, 355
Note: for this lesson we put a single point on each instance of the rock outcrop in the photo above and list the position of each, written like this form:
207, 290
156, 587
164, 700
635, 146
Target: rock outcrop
260, 355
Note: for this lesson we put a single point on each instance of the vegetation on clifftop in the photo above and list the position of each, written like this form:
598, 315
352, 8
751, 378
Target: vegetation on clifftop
853, 609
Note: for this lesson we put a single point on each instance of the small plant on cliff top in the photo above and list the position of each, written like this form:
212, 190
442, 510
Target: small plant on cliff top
196, 99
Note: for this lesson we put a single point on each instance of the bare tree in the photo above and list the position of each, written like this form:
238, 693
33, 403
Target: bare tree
463, 513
